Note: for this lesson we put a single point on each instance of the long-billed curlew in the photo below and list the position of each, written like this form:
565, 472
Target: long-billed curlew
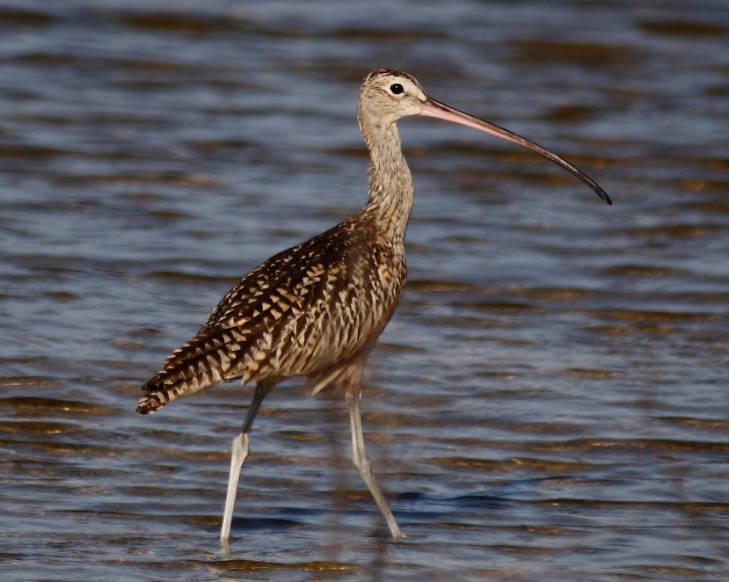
317, 309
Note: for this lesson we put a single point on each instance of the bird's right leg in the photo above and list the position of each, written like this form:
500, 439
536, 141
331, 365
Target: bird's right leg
238, 456
362, 463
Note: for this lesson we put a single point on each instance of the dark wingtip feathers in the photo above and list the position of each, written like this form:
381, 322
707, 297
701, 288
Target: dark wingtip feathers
154, 399
148, 405
150, 402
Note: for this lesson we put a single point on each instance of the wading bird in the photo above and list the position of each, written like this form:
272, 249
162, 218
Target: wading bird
317, 309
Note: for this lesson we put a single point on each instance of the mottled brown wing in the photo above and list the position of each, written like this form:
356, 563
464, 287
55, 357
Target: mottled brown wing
297, 313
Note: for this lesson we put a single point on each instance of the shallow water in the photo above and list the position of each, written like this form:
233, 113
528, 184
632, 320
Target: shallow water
550, 400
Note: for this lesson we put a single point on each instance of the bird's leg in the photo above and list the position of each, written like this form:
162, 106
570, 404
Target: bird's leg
238, 456
362, 463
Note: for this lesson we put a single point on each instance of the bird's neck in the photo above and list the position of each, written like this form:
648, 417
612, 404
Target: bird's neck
391, 184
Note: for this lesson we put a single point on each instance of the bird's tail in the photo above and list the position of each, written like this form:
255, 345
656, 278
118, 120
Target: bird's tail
160, 393
193, 367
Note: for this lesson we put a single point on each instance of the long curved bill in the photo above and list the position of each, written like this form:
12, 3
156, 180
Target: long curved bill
438, 110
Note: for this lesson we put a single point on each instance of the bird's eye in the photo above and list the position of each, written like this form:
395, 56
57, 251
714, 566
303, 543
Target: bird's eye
396, 88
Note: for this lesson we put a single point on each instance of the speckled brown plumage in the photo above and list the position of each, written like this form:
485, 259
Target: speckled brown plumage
309, 310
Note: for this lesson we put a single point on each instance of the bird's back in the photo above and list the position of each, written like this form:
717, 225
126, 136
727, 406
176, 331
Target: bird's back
302, 312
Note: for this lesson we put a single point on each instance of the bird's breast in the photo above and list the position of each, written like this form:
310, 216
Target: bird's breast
346, 309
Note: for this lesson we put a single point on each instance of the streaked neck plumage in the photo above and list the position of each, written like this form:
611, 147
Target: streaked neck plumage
391, 184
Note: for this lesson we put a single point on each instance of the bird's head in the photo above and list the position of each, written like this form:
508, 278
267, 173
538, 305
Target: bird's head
387, 96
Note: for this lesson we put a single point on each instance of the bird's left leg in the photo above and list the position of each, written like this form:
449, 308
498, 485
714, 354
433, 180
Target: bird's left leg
238, 456
362, 463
